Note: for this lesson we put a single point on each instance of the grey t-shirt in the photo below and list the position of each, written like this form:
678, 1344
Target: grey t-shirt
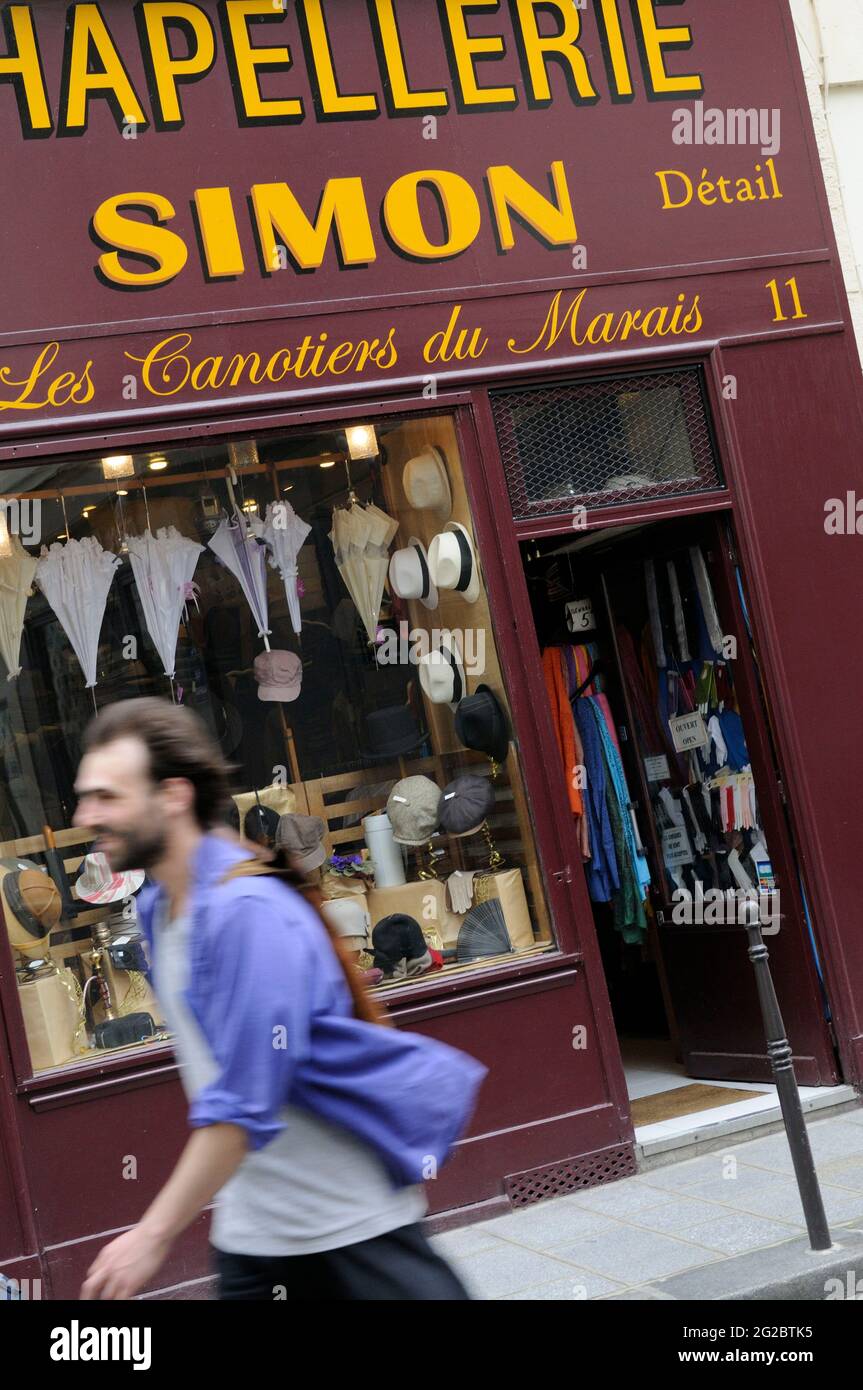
315, 1186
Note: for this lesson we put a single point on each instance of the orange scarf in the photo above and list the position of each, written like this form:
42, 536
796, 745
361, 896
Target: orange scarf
564, 724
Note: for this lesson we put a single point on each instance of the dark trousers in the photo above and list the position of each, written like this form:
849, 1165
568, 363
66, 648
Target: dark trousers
399, 1266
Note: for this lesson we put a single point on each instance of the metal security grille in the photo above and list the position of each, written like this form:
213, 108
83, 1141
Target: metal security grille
601, 442
557, 1179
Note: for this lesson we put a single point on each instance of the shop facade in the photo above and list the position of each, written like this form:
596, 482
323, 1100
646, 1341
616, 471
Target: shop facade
583, 294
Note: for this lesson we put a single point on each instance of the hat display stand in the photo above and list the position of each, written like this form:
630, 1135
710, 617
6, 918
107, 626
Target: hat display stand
483, 884
290, 745
428, 857
115, 1023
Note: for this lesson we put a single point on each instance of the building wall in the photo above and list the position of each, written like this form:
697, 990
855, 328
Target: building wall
830, 38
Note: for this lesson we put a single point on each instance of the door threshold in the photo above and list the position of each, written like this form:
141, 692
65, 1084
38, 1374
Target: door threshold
671, 1141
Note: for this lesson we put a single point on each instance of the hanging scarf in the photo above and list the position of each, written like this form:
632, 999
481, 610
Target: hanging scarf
679, 621
653, 610
706, 599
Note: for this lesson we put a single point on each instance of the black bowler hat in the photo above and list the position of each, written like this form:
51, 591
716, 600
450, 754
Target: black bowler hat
391, 732
399, 946
481, 724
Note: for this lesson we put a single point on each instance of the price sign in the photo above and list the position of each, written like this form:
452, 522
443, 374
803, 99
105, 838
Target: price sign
579, 615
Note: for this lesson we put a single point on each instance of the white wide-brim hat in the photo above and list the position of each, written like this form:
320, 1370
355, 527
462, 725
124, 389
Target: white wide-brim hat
97, 884
453, 563
441, 673
410, 576
426, 483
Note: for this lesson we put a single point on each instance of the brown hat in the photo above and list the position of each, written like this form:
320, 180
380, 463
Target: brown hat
279, 675
31, 904
303, 838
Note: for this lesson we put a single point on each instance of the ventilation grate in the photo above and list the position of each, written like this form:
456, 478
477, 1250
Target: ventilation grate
558, 1179
601, 442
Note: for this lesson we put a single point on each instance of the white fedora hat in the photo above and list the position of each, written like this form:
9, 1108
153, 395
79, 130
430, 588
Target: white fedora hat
452, 561
441, 672
97, 884
426, 483
410, 576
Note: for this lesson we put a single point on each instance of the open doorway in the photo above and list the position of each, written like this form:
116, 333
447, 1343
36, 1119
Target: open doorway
681, 819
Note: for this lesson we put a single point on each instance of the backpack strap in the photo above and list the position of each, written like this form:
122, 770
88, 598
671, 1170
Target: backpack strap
365, 1007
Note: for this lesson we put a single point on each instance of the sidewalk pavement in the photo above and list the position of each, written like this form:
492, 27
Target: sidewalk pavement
726, 1225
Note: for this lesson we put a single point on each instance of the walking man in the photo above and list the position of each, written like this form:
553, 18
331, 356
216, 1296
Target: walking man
313, 1121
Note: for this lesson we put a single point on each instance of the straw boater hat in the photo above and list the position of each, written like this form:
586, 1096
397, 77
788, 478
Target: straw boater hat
31, 904
426, 484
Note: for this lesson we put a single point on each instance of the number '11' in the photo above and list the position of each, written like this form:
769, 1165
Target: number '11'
779, 317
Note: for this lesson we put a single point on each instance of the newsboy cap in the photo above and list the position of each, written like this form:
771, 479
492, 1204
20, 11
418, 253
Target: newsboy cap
413, 808
466, 802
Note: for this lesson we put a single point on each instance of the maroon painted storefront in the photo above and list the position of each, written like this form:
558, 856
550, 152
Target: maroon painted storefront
781, 378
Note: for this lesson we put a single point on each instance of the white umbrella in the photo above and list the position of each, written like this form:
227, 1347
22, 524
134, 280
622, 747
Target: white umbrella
377, 561
361, 537
238, 550
284, 533
17, 569
75, 579
351, 530
163, 565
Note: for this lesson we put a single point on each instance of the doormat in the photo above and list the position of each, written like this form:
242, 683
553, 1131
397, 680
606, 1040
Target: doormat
685, 1100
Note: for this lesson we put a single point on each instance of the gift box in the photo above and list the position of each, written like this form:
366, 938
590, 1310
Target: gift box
51, 1018
508, 887
280, 799
425, 901
342, 885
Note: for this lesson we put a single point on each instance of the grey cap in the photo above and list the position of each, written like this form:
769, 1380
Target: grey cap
302, 837
466, 802
413, 810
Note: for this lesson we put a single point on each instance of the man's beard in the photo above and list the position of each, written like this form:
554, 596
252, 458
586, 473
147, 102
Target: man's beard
138, 849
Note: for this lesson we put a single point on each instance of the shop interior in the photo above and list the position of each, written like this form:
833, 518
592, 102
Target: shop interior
640, 656
318, 600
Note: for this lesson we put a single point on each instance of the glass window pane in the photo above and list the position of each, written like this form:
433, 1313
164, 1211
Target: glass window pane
337, 723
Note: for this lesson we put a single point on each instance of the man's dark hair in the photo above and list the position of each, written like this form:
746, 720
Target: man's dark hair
179, 744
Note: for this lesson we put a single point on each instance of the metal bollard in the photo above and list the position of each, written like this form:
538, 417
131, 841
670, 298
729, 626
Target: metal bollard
779, 1052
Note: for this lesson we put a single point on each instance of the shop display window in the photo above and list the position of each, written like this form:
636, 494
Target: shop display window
320, 602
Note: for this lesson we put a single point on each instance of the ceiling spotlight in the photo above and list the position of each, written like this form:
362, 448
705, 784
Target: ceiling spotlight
250, 505
328, 463
158, 462
118, 466
86, 510
362, 441
289, 487
121, 492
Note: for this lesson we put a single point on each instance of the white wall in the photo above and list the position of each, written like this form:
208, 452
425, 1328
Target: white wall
830, 36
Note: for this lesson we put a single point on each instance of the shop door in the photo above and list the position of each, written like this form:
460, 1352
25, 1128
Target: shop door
708, 980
